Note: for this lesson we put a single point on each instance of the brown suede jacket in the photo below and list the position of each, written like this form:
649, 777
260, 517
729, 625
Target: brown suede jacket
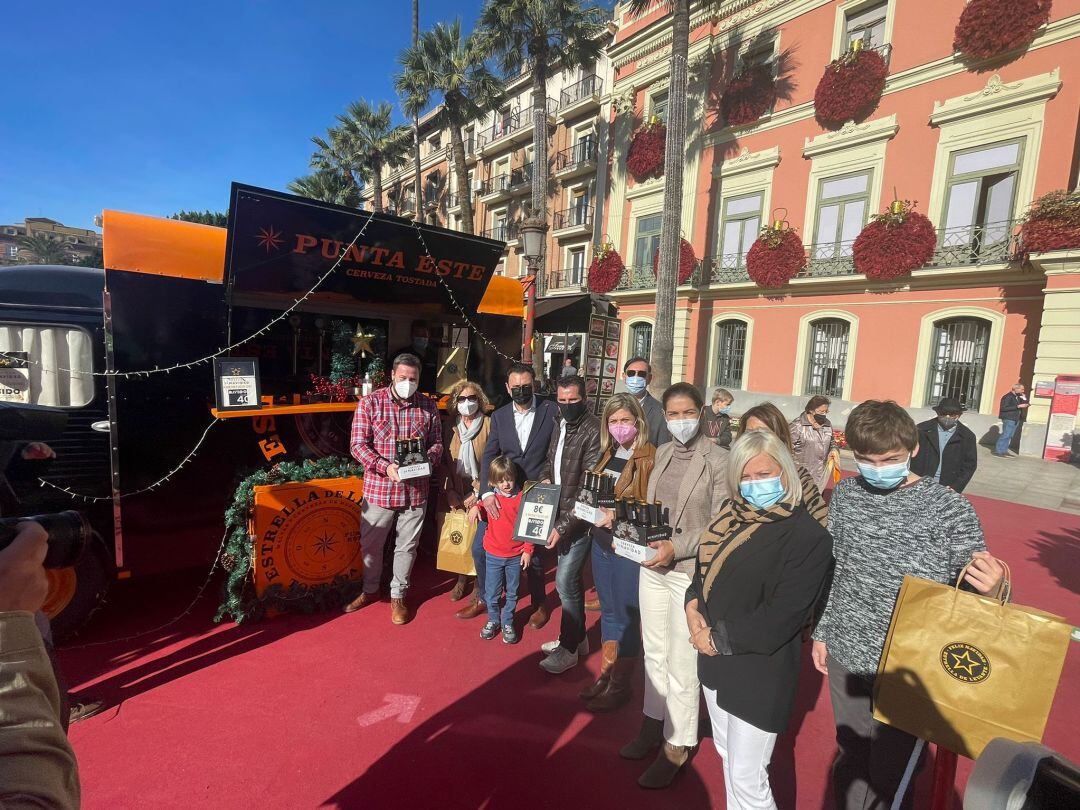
634, 480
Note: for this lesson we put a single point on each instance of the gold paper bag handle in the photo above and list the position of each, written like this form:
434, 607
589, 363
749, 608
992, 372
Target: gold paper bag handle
1004, 587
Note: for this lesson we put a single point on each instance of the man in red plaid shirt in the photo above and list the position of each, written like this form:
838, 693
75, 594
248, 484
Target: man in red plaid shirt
383, 417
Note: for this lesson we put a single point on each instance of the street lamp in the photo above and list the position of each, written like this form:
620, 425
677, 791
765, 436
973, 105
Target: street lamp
533, 231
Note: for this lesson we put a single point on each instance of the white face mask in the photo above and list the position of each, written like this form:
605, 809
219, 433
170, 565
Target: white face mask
683, 429
405, 388
467, 408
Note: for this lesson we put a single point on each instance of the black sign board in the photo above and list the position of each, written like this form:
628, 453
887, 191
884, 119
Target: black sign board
536, 517
236, 383
280, 243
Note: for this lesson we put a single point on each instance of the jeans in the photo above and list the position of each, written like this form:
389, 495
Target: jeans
571, 590
503, 574
617, 586
376, 523
479, 558
1008, 428
745, 751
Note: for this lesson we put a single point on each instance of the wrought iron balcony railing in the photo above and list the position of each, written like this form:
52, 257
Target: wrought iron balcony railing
504, 232
576, 216
728, 268
521, 176
570, 278
514, 122
825, 259
578, 155
495, 184
589, 87
990, 243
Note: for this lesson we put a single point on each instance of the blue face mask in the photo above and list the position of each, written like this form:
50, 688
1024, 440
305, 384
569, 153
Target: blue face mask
725, 410
635, 385
420, 343
762, 493
888, 477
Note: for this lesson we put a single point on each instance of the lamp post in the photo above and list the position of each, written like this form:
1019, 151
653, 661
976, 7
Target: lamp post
533, 231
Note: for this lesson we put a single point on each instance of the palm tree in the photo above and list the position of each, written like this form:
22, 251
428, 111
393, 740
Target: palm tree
443, 61
416, 119
329, 186
44, 250
335, 154
663, 341
541, 34
373, 142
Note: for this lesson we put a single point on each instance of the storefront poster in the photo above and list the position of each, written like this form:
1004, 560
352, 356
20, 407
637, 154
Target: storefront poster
15, 377
601, 376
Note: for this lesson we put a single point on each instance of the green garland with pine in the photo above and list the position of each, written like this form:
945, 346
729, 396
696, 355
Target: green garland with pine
239, 601
342, 362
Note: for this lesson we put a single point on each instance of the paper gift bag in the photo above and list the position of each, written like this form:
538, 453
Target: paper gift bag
455, 543
960, 669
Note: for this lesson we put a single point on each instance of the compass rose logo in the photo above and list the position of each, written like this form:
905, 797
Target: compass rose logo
324, 544
269, 238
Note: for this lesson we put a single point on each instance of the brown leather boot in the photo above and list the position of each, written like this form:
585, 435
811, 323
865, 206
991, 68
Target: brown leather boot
650, 736
460, 587
665, 767
363, 600
475, 608
539, 618
608, 654
617, 693
399, 611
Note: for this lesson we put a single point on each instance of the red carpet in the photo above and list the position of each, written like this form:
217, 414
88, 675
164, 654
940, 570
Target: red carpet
350, 711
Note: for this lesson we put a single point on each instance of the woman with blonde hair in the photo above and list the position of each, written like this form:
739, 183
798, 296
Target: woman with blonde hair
627, 456
464, 436
762, 568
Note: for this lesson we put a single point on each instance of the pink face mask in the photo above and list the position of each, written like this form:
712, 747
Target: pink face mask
622, 432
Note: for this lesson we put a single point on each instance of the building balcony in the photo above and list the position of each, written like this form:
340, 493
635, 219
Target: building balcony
495, 188
559, 282
512, 129
402, 208
572, 221
728, 268
521, 179
503, 232
580, 98
453, 203
579, 159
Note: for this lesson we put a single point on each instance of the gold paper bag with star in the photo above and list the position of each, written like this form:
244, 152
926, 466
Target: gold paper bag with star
960, 669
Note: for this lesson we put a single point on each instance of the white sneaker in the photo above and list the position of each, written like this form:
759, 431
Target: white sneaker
559, 661
548, 647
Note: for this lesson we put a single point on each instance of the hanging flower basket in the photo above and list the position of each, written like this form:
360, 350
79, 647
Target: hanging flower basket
775, 257
749, 95
1052, 223
851, 86
894, 243
687, 261
990, 28
606, 269
645, 158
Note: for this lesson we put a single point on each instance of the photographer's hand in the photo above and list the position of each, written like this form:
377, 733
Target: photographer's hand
23, 584
37, 451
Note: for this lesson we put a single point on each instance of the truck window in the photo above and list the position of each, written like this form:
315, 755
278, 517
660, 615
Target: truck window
46, 364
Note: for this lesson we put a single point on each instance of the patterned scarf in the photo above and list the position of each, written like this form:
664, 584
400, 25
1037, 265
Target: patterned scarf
467, 459
732, 528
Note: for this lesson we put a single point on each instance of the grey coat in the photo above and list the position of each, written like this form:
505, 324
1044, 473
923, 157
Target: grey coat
812, 444
703, 489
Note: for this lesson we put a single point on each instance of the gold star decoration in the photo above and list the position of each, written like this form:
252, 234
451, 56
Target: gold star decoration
362, 341
964, 662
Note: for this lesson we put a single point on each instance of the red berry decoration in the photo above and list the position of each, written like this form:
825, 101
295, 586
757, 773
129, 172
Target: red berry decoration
894, 243
1052, 223
645, 158
990, 28
775, 258
851, 87
749, 95
606, 269
687, 261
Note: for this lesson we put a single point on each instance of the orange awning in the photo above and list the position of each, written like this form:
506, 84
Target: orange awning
503, 296
163, 247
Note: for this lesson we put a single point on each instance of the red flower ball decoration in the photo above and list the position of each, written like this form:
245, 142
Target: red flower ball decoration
606, 270
990, 28
687, 262
775, 258
895, 243
749, 95
645, 158
850, 88
1052, 223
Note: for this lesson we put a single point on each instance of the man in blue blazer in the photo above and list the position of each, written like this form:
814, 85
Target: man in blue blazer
521, 431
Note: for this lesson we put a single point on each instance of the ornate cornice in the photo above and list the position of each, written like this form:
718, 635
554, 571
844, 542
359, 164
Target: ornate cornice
851, 134
747, 161
997, 95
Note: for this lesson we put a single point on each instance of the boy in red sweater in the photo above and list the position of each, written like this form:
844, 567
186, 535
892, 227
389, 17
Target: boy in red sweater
506, 557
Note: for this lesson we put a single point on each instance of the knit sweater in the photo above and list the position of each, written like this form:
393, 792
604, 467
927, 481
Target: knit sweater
667, 488
923, 529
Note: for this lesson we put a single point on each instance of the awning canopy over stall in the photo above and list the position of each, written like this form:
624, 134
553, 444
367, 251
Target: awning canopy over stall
569, 313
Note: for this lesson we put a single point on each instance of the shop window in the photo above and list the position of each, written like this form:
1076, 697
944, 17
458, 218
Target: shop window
866, 23
740, 224
640, 339
980, 197
59, 362
647, 241
827, 360
842, 206
730, 353
958, 361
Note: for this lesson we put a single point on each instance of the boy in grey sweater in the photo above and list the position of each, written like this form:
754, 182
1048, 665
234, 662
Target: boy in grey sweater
885, 523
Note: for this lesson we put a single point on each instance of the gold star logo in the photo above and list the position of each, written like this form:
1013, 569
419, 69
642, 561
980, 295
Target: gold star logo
269, 238
964, 662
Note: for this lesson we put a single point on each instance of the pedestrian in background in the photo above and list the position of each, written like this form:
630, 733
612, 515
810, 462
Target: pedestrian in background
947, 448
637, 374
1012, 412
717, 417
813, 443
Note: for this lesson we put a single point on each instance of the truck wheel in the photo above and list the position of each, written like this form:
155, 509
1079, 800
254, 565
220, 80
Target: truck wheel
76, 593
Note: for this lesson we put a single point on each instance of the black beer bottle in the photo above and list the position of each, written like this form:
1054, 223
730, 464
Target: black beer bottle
620, 510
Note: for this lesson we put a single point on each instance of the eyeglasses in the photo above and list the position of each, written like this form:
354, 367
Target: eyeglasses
472, 398
637, 374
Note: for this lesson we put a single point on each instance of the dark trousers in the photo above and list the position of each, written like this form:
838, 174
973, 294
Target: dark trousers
479, 557
872, 757
535, 577
616, 581
571, 588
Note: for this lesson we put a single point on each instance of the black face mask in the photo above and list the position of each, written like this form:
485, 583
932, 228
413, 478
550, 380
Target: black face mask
572, 411
522, 394
821, 418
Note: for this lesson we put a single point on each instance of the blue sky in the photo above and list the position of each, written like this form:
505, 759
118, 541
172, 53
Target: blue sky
153, 107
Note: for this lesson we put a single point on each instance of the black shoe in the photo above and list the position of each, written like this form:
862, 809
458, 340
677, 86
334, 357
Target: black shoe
81, 711
489, 631
510, 635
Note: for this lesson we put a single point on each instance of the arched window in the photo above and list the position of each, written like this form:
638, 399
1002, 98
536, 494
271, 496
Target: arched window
730, 353
827, 360
958, 361
640, 339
